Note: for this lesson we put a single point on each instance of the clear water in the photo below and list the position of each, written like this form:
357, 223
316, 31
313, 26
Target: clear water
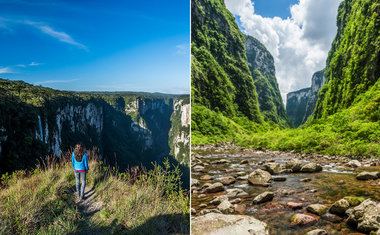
275, 213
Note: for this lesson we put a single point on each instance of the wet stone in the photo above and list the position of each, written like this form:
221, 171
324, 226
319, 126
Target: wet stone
227, 180
206, 177
264, 197
332, 218
339, 207
317, 232
294, 205
317, 209
303, 219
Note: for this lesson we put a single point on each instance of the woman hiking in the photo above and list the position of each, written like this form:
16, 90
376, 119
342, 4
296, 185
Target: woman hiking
79, 159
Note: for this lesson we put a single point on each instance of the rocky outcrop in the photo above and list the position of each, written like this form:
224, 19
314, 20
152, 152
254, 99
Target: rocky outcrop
296, 102
213, 223
261, 65
317, 82
300, 104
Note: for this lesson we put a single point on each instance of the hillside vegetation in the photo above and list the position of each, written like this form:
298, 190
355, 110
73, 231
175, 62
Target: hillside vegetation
134, 202
346, 120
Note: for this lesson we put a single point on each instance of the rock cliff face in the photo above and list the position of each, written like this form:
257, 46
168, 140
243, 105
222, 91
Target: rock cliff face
261, 64
128, 128
300, 104
317, 82
296, 105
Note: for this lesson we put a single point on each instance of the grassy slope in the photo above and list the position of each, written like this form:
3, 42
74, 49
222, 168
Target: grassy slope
43, 202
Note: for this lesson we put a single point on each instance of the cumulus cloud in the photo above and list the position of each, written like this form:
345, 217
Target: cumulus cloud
299, 44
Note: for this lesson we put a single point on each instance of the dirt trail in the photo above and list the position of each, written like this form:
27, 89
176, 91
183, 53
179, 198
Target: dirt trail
88, 206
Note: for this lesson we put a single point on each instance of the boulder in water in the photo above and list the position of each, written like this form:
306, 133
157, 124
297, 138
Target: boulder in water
259, 177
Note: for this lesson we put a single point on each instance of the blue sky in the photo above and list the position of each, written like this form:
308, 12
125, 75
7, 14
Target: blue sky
96, 45
272, 8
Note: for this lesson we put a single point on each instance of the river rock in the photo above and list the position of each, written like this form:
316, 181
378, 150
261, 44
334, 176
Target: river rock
259, 177
339, 207
194, 182
235, 201
226, 207
365, 217
206, 177
245, 161
198, 168
193, 211
221, 161
311, 167
302, 219
236, 192
354, 163
317, 232
240, 208
272, 167
354, 201
206, 211
368, 175
294, 164
213, 223
214, 188
218, 200
264, 197
294, 205
332, 218
317, 209
227, 180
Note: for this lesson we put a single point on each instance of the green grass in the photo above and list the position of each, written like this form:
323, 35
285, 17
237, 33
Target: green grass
133, 202
353, 132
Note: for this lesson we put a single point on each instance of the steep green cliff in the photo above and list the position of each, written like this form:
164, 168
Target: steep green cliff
261, 65
352, 65
221, 80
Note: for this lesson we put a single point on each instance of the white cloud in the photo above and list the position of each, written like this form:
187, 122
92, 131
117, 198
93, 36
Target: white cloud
61, 36
299, 44
34, 64
6, 70
182, 49
55, 81
44, 28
